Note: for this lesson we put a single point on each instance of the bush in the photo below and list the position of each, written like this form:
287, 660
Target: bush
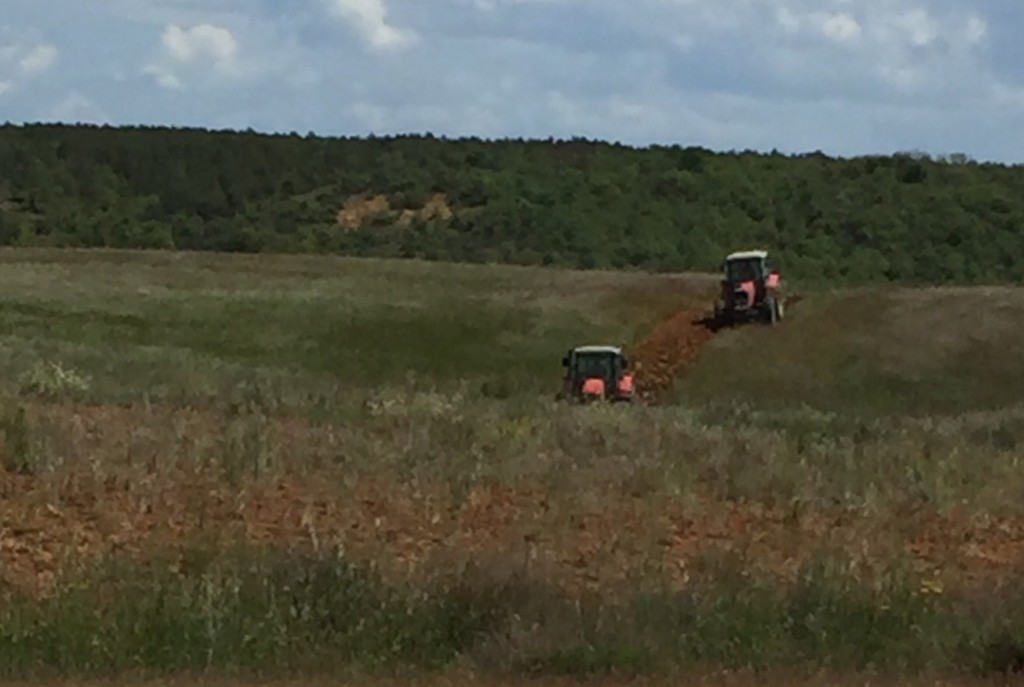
53, 380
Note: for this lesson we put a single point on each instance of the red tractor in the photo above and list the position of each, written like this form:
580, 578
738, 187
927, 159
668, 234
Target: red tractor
751, 290
597, 373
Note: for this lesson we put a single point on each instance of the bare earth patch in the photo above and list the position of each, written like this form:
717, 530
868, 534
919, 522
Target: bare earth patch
604, 535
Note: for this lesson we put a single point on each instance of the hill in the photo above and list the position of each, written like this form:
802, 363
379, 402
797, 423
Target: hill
875, 351
572, 203
296, 465
185, 328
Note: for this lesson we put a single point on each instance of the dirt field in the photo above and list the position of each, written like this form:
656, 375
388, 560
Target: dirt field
664, 354
601, 535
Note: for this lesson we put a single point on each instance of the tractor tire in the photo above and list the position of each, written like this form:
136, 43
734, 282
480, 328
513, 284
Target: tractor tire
772, 316
723, 317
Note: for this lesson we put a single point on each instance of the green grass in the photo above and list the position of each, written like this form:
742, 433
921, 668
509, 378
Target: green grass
275, 613
184, 327
236, 612
861, 397
187, 327
879, 352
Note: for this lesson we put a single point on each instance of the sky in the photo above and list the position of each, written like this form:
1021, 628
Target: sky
846, 77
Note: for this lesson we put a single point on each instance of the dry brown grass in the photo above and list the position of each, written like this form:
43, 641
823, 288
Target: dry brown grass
411, 488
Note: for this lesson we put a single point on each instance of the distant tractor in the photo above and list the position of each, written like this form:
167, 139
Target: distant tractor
751, 290
597, 373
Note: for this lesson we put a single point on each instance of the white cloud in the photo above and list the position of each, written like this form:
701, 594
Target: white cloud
888, 50
917, 25
788, 20
370, 18
38, 60
21, 61
976, 31
840, 75
841, 27
164, 77
203, 41
77, 108
200, 50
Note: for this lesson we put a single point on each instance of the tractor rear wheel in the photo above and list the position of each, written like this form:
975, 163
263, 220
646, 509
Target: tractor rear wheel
723, 316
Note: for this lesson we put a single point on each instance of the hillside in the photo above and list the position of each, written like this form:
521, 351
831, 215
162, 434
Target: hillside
329, 466
879, 351
186, 328
572, 203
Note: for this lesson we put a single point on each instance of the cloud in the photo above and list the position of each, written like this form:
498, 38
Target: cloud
887, 51
78, 109
200, 42
38, 60
835, 75
837, 26
203, 49
21, 62
164, 76
370, 18
843, 76
841, 27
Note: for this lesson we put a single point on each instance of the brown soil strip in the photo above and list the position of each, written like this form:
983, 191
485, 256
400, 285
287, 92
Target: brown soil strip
662, 356
413, 529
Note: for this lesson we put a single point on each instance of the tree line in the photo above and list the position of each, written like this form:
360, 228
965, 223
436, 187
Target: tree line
905, 217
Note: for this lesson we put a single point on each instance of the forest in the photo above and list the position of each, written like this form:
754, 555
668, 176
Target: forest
906, 217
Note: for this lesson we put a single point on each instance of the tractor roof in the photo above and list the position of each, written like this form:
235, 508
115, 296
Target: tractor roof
598, 349
748, 255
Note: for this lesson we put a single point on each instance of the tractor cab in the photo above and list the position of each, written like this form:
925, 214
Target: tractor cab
746, 267
597, 373
750, 289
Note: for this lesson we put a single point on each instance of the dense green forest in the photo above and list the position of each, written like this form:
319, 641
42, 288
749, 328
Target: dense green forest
905, 217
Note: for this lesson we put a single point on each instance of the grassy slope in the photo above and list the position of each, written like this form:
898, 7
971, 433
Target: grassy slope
188, 326
875, 352
602, 496
185, 326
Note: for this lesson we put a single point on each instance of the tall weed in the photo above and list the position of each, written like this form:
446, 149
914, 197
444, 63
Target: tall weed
280, 611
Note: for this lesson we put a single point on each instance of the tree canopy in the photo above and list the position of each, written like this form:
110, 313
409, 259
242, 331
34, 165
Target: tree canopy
577, 203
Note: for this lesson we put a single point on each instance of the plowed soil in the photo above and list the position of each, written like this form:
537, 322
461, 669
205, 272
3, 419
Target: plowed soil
662, 356
606, 539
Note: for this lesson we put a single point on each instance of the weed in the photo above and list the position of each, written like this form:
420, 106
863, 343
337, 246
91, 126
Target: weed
17, 446
53, 380
248, 610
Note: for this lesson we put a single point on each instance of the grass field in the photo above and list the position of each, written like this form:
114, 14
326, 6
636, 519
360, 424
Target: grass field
877, 352
183, 327
227, 464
